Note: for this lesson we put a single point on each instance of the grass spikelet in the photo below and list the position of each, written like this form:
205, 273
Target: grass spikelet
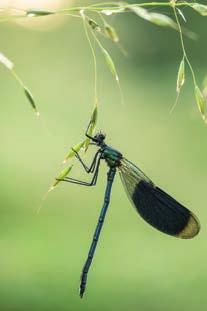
6, 62
155, 18
181, 14
111, 32
200, 101
162, 20
204, 90
62, 175
93, 24
181, 76
73, 151
110, 64
141, 12
180, 82
91, 126
200, 8
31, 100
10, 66
39, 12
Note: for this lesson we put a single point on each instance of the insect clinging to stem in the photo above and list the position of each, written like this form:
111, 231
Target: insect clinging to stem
155, 206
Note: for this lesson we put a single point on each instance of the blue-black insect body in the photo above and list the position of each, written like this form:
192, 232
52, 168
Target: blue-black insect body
154, 205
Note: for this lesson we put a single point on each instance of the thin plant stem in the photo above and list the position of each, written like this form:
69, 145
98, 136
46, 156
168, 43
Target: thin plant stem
94, 59
182, 44
117, 78
110, 6
114, 5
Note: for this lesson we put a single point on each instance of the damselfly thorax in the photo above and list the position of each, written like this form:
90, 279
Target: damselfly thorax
111, 156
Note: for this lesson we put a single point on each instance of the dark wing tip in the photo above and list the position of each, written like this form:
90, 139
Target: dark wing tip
155, 206
191, 229
163, 212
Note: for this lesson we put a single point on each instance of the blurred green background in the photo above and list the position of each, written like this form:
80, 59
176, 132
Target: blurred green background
41, 254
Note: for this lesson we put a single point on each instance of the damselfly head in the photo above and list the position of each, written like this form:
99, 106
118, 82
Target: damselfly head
99, 138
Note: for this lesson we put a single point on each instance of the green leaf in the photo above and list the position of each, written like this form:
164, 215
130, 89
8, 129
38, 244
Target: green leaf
39, 12
31, 99
72, 152
111, 33
200, 101
181, 76
200, 8
62, 175
110, 64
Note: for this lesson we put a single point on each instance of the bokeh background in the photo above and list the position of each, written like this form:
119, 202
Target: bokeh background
41, 254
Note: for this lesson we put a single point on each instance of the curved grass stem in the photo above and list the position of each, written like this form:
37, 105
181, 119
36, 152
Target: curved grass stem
183, 45
111, 6
94, 58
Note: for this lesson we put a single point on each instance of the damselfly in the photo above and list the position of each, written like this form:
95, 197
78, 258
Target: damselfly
154, 205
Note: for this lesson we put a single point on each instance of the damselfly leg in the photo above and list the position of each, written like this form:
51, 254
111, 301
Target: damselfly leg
91, 168
96, 164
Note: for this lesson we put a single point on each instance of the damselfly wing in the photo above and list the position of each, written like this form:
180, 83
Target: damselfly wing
155, 206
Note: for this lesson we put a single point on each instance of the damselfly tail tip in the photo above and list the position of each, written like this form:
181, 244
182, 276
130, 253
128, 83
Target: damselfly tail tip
81, 292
